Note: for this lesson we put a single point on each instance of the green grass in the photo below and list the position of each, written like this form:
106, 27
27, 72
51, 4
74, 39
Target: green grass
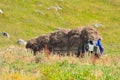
17, 64
28, 19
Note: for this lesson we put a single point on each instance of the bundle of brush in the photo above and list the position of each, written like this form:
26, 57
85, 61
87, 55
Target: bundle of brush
32, 45
38, 44
74, 39
89, 33
43, 40
59, 39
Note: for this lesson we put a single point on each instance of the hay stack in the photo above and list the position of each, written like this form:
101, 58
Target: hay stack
74, 37
44, 39
38, 44
32, 44
59, 39
89, 33
64, 39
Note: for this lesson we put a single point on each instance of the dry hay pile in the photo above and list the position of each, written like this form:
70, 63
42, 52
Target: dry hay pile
32, 44
38, 44
89, 33
59, 39
79, 37
64, 39
43, 40
74, 37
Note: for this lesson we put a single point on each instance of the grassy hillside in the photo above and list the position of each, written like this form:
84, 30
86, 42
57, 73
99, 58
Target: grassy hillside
17, 64
27, 19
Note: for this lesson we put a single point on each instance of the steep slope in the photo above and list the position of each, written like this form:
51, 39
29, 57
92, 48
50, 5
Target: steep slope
27, 19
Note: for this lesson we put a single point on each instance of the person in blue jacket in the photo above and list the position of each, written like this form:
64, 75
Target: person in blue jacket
99, 44
101, 48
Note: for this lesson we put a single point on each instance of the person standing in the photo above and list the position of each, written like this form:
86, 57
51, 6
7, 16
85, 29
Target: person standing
99, 44
100, 52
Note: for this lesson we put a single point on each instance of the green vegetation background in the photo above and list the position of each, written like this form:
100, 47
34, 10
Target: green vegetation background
28, 19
